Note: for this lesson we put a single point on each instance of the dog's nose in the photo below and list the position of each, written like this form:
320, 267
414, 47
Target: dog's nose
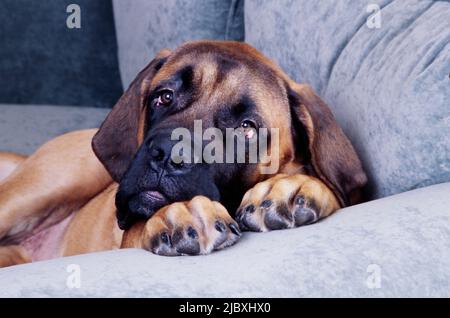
161, 156
157, 154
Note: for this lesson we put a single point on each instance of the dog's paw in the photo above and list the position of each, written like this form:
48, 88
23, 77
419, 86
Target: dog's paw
199, 226
285, 201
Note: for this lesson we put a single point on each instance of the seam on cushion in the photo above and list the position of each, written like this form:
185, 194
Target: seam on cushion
230, 18
404, 33
440, 49
389, 38
344, 45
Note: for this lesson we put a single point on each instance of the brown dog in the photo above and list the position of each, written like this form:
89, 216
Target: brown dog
71, 198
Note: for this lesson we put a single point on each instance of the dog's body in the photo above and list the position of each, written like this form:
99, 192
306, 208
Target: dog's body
66, 198
60, 214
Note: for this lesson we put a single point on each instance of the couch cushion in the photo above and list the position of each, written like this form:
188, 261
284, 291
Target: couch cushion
393, 247
388, 87
144, 27
23, 128
42, 61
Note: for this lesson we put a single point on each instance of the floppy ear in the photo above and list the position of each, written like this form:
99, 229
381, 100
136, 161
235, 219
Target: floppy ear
332, 155
118, 138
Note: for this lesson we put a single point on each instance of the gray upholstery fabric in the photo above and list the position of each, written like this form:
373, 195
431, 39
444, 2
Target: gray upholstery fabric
388, 87
44, 62
389, 90
400, 244
144, 27
23, 128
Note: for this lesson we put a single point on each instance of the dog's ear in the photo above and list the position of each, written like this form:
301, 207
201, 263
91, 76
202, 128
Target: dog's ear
118, 138
332, 156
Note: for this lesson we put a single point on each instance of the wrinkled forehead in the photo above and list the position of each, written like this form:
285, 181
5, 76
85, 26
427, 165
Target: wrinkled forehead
214, 69
222, 78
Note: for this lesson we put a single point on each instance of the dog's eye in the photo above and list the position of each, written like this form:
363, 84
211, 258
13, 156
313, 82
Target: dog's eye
248, 128
247, 124
165, 98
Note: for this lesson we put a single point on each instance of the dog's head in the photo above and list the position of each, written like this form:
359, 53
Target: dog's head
225, 85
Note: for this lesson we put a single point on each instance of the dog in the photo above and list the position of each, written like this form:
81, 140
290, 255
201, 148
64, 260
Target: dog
118, 186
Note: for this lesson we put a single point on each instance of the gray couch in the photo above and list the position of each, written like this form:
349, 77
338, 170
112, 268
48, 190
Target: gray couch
389, 89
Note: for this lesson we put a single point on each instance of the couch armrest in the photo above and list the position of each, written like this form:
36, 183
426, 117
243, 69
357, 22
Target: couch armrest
24, 128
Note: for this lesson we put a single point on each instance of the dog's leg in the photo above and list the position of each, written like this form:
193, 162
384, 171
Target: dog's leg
285, 201
199, 226
58, 178
94, 228
13, 255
